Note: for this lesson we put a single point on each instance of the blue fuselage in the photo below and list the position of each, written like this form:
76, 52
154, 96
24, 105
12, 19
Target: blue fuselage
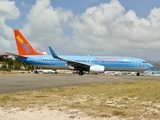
111, 63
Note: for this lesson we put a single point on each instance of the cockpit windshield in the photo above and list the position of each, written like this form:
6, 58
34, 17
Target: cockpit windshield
144, 62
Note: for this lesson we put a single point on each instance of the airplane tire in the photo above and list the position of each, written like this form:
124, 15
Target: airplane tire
80, 73
138, 74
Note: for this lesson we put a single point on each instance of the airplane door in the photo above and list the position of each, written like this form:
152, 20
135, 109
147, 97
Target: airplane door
88, 60
36, 60
136, 63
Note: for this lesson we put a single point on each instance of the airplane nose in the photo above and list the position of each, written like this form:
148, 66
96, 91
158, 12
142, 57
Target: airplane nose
150, 66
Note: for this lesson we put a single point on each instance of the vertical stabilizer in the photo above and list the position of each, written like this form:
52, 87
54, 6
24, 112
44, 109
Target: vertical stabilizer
23, 46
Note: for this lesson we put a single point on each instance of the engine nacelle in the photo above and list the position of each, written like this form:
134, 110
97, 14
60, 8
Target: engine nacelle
97, 69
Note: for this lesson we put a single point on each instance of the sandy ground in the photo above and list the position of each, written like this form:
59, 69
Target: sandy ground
46, 114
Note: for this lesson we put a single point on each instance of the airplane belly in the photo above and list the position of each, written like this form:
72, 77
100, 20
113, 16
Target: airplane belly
55, 67
124, 69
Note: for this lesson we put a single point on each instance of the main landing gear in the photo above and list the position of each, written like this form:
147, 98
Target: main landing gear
138, 74
80, 73
37, 69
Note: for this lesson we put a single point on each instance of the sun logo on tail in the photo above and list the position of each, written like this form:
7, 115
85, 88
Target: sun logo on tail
23, 44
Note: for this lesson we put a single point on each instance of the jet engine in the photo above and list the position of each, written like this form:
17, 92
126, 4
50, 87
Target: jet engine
97, 69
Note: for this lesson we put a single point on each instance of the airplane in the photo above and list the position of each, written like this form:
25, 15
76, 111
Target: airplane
92, 64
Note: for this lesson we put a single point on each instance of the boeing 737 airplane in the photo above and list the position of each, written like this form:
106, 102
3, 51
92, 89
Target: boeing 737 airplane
93, 64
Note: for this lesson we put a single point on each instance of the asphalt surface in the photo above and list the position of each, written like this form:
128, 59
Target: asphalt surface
12, 83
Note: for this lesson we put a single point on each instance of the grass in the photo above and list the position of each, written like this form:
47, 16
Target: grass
127, 99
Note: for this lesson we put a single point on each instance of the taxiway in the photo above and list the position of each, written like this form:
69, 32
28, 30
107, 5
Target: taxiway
12, 83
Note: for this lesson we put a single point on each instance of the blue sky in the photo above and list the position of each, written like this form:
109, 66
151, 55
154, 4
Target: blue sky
141, 7
80, 27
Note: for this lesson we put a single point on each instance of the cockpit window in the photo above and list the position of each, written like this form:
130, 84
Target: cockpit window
144, 62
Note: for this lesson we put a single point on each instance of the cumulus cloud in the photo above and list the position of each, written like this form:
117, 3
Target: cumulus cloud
8, 11
45, 24
106, 29
154, 17
110, 30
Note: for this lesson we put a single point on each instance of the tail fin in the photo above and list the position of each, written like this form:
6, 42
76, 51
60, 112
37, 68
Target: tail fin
23, 46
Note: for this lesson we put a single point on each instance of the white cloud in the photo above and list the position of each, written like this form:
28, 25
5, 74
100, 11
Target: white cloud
8, 11
110, 30
154, 17
107, 29
45, 24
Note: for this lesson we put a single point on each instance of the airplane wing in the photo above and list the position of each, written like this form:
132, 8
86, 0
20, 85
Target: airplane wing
15, 55
72, 63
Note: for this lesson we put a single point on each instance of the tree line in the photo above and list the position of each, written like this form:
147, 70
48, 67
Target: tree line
156, 64
13, 64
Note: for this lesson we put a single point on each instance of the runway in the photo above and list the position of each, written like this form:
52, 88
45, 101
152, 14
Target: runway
12, 83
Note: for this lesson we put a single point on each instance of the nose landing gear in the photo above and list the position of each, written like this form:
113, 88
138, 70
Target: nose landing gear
138, 74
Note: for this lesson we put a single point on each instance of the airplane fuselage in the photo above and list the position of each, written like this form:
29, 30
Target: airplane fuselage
111, 63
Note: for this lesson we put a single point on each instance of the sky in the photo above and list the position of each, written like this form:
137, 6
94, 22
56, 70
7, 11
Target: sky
84, 27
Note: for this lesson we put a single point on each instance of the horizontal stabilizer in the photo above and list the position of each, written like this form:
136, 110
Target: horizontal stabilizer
15, 55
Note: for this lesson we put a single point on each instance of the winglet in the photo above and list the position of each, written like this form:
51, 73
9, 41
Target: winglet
53, 53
